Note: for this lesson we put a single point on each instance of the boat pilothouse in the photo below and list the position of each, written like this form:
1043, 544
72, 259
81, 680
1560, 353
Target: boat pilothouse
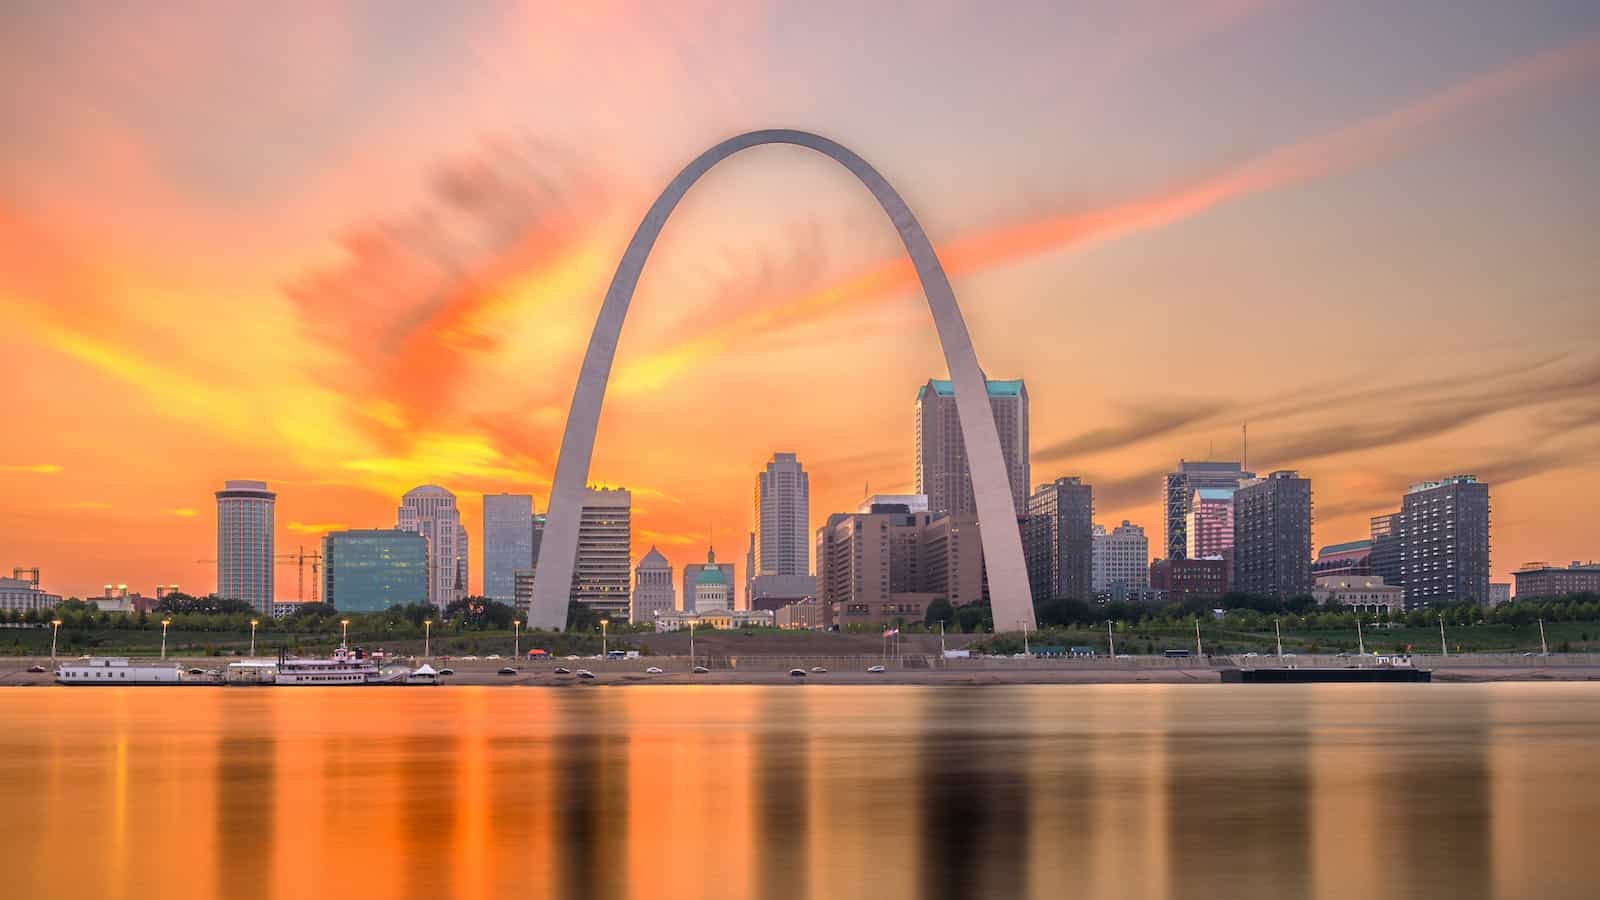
345, 667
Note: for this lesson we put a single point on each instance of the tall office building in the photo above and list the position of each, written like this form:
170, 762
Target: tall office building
1208, 528
245, 526
782, 518
1059, 540
431, 512
1385, 556
1444, 543
1121, 562
372, 569
1178, 493
652, 588
507, 543
600, 573
942, 470
1272, 536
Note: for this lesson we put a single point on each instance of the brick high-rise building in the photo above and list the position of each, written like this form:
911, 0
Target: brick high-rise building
1272, 536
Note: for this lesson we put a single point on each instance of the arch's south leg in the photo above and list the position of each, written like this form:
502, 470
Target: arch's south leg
1002, 541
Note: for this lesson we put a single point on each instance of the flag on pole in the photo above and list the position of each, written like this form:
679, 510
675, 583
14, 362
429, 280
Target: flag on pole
891, 632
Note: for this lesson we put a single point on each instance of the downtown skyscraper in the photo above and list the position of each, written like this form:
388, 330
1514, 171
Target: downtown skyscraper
1272, 536
943, 473
431, 511
245, 527
600, 573
507, 543
782, 516
1058, 541
1444, 541
1177, 496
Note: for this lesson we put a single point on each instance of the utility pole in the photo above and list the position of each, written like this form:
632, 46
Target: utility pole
1199, 650
1443, 647
1279, 632
1544, 649
1112, 639
1361, 644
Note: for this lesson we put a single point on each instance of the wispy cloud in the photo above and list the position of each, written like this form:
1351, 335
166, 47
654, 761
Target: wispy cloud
318, 528
32, 468
1378, 137
86, 504
183, 512
1141, 425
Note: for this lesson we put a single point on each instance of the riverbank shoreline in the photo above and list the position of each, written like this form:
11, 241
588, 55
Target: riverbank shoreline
852, 671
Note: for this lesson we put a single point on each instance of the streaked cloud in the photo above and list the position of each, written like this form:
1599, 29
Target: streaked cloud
32, 468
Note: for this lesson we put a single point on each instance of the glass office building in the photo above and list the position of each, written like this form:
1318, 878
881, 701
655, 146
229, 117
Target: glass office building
369, 570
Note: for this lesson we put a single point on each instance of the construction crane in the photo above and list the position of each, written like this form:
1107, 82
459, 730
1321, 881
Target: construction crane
299, 558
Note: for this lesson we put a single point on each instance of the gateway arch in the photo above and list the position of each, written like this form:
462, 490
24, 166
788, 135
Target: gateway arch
1002, 541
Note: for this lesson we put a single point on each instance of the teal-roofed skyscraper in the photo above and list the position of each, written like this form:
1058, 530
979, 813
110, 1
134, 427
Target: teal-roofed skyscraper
942, 470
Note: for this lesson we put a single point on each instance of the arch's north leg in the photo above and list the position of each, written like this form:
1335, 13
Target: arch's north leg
1002, 542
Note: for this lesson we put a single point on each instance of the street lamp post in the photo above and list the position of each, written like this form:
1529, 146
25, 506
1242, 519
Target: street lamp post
344, 638
164, 624
1112, 638
1444, 648
55, 629
253, 623
427, 635
691, 645
1544, 648
603, 624
516, 639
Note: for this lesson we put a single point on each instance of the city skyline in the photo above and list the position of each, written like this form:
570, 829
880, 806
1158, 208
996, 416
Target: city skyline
1346, 206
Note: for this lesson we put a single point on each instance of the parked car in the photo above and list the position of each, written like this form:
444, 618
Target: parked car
563, 670
876, 670
447, 671
653, 670
818, 669
197, 671
506, 670
492, 656
797, 673
701, 670
36, 669
585, 673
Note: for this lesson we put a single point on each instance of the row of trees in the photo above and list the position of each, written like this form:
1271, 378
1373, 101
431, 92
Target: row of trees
1246, 611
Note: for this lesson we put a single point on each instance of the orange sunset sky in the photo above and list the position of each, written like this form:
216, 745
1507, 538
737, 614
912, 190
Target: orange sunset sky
354, 248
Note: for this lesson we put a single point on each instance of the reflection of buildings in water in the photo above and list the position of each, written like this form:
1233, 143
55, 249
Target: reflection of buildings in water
1536, 832
973, 766
1127, 794
591, 810
1435, 800
246, 809
1237, 798
781, 795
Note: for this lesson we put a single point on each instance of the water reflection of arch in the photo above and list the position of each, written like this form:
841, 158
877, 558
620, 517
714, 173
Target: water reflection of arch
999, 534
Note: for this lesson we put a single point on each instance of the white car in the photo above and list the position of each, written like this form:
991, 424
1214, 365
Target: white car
876, 670
701, 670
468, 657
492, 656
585, 673
818, 670
653, 670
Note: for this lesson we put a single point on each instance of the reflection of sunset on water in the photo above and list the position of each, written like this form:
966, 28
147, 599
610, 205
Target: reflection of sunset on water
1140, 791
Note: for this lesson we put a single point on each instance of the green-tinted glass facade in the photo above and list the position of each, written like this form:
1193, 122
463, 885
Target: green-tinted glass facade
372, 569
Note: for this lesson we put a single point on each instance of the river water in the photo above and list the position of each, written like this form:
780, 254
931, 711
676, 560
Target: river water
1335, 791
